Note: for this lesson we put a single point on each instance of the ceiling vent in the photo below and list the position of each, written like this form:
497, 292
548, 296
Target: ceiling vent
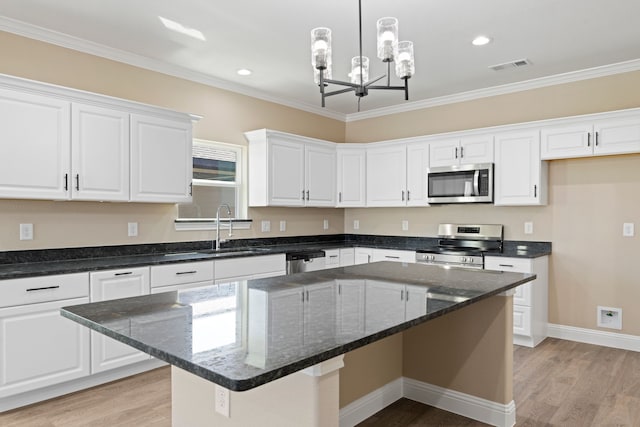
512, 64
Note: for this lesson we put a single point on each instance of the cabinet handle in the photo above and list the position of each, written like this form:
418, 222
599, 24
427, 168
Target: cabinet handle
77, 182
186, 272
307, 296
407, 195
461, 152
391, 257
45, 288
333, 256
535, 191
339, 289
505, 265
401, 295
588, 139
124, 274
302, 194
456, 152
302, 296
191, 189
407, 294
66, 182
403, 195
596, 139
340, 197
307, 194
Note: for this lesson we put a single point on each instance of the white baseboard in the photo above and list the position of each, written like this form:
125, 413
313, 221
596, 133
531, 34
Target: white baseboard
449, 400
366, 406
592, 336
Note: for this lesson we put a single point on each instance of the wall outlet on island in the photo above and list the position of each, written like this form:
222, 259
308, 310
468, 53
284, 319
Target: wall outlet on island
609, 317
222, 401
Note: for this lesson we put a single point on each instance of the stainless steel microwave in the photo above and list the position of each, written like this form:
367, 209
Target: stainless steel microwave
460, 184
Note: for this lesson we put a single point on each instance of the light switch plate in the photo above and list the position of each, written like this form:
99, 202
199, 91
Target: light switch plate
528, 227
405, 225
26, 231
628, 229
132, 229
266, 226
356, 224
283, 225
325, 224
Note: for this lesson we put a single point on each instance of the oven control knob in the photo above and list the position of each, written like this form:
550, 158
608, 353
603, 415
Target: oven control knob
464, 259
432, 257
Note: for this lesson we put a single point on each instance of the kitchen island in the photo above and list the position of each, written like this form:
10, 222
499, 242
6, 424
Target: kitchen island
277, 343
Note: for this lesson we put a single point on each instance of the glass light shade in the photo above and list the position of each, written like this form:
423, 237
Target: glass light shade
387, 38
321, 48
405, 66
355, 70
327, 74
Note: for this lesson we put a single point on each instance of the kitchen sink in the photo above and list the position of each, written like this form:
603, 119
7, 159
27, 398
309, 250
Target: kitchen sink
234, 251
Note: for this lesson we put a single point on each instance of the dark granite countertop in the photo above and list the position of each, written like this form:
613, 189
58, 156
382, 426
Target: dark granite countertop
20, 264
247, 333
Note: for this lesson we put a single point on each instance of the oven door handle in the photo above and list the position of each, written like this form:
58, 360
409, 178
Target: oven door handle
476, 183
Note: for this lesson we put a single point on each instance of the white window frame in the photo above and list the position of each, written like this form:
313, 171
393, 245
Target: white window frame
241, 193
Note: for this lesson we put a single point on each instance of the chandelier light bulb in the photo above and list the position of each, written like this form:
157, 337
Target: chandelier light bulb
405, 66
321, 48
355, 70
387, 38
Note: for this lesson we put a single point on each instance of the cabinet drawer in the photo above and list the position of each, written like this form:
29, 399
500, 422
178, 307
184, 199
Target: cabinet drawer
251, 266
516, 265
34, 290
332, 258
175, 274
521, 320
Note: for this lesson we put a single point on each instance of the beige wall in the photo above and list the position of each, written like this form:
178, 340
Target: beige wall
226, 116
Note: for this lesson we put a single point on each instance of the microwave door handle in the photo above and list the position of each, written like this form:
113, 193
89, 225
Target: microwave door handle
476, 183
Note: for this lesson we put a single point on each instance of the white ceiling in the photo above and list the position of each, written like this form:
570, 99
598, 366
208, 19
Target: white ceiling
272, 39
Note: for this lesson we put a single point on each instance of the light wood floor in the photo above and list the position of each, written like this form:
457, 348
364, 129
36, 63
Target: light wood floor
559, 383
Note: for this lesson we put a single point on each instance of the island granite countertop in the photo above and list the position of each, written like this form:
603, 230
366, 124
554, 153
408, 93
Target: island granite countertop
243, 334
22, 264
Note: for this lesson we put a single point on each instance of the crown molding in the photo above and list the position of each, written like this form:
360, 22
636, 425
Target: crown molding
573, 76
74, 43
85, 46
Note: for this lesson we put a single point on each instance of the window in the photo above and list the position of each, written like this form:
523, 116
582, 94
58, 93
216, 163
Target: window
217, 178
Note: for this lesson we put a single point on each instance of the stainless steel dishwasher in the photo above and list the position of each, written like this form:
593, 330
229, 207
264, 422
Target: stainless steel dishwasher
305, 260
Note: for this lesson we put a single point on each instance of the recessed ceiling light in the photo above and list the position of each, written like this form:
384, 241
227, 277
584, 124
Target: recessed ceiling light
244, 72
481, 41
179, 28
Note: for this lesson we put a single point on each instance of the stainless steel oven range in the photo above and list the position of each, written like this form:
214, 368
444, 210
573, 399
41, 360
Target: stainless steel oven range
463, 245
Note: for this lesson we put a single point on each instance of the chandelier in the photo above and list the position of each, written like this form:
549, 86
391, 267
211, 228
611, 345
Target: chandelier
389, 50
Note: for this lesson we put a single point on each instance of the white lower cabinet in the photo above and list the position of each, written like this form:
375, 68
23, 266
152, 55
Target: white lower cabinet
347, 257
350, 308
331, 258
107, 353
530, 302
247, 268
39, 347
319, 313
400, 303
393, 255
362, 255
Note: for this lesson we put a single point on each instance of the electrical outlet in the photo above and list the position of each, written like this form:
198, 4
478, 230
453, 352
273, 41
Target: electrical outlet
325, 224
283, 225
26, 231
628, 229
405, 225
222, 401
609, 317
356, 224
528, 227
132, 229
266, 226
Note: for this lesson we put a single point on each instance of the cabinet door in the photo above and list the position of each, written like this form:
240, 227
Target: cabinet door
39, 347
100, 154
347, 257
617, 136
417, 166
393, 255
351, 177
320, 176
363, 255
519, 171
444, 153
319, 313
286, 173
386, 176
476, 149
35, 148
107, 353
161, 160
285, 319
415, 301
562, 142
350, 308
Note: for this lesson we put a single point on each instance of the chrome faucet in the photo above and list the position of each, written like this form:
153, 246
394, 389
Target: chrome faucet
217, 248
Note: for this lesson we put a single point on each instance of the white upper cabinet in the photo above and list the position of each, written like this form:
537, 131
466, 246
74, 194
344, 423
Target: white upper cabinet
290, 170
161, 160
463, 150
352, 178
598, 137
520, 175
387, 175
100, 153
61, 144
417, 166
35, 143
